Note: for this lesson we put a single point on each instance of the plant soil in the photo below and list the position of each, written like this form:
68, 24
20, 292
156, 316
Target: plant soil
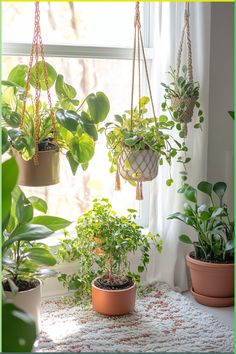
46, 145
227, 261
116, 283
23, 285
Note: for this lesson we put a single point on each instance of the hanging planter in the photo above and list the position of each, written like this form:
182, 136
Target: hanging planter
183, 92
45, 173
36, 131
137, 141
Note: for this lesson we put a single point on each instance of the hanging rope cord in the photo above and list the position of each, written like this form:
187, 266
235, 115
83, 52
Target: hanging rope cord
37, 47
139, 40
185, 31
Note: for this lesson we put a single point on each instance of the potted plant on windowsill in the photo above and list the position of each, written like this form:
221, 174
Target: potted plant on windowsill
19, 330
23, 257
138, 144
73, 132
212, 262
103, 243
181, 97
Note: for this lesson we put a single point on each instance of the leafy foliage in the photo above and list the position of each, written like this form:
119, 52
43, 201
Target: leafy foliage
76, 128
23, 256
103, 243
181, 88
145, 134
215, 230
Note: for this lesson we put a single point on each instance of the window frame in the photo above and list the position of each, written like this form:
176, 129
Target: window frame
101, 52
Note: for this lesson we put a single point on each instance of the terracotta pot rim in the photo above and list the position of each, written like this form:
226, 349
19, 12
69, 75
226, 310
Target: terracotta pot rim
113, 291
207, 264
27, 291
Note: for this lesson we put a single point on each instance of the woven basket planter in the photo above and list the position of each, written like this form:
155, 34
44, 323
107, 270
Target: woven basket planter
139, 166
187, 114
46, 173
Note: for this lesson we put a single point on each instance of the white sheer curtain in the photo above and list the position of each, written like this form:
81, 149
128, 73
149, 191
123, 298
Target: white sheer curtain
168, 18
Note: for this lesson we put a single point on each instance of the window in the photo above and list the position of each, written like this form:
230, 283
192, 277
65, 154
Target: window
91, 57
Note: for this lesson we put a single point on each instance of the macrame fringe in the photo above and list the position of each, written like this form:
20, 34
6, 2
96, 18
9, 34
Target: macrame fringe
117, 184
139, 191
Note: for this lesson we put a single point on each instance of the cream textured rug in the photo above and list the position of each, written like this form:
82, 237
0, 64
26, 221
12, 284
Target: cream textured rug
164, 321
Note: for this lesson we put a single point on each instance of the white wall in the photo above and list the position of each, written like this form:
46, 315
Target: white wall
221, 98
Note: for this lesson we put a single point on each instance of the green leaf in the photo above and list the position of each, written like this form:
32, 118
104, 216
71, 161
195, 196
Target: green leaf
38, 204
231, 113
41, 256
10, 172
68, 119
218, 212
73, 164
82, 148
205, 187
53, 223
219, 188
229, 246
18, 75
64, 90
88, 126
181, 134
24, 209
27, 232
51, 73
144, 101
99, 106
119, 119
19, 331
197, 125
163, 119
190, 194
13, 119
185, 238
5, 141
169, 182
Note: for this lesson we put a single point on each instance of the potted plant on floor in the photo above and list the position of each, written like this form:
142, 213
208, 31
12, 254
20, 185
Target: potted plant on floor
73, 130
102, 246
138, 144
23, 257
212, 262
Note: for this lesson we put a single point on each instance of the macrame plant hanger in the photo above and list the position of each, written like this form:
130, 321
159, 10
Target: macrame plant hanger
138, 48
186, 35
37, 50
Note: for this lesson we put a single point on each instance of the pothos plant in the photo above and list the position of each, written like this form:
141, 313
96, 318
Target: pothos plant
215, 242
146, 133
180, 89
102, 245
76, 125
24, 257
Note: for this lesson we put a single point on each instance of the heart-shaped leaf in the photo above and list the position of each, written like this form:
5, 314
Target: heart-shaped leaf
68, 119
205, 187
18, 75
219, 188
99, 106
64, 90
51, 75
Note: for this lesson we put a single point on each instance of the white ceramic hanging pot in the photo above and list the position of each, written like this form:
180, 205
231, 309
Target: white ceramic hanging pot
30, 302
139, 166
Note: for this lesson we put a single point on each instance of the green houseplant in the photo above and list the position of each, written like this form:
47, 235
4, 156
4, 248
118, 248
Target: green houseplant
212, 263
19, 330
102, 245
76, 127
138, 144
24, 257
181, 97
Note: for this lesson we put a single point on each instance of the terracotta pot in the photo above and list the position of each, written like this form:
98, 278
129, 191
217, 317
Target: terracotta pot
46, 173
187, 114
30, 302
139, 166
113, 302
213, 282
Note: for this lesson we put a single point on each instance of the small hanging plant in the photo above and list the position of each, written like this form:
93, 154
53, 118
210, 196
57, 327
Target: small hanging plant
181, 97
136, 154
182, 94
